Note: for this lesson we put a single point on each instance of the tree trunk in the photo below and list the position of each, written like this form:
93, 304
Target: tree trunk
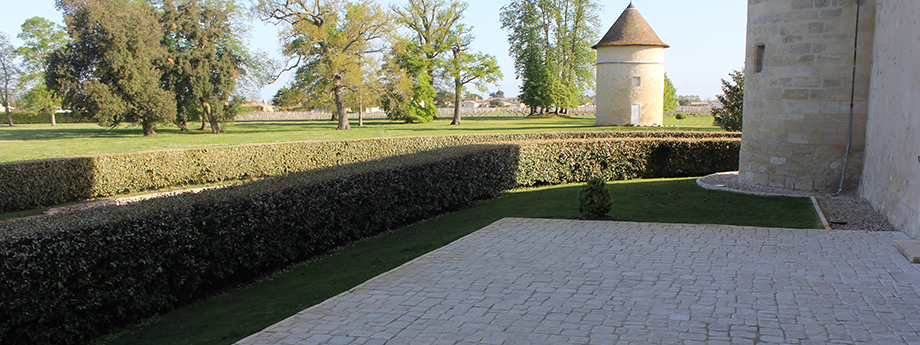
148, 129
360, 108
53, 120
183, 125
340, 103
9, 117
204, 122
206, 107
456, 102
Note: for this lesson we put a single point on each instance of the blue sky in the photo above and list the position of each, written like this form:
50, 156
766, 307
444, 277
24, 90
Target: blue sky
706, 36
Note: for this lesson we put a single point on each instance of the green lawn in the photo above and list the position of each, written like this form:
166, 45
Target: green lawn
234, 315
25, 142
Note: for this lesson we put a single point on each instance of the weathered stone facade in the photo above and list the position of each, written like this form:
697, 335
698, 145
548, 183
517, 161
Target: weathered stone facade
798, 85
891, 175
798, 78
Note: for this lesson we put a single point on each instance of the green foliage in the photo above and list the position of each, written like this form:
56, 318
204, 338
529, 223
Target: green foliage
551, 44
680, 116
40, 38
26, 186
109, 261
67, 278
729, 116
670, 94
10, 73
464, 68
409, 86
112, 83
687, 99
594, 199
205, 57
328, 39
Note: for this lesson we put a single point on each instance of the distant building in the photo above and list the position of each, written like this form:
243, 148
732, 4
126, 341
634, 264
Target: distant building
630, 73
260, 106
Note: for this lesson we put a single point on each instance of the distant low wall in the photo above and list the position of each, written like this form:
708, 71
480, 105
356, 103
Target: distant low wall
442, 113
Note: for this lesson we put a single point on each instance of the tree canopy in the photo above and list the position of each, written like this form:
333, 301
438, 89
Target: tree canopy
205, 57
9, 74
325, 39
670, 94
109, 71
729, 116
551, 44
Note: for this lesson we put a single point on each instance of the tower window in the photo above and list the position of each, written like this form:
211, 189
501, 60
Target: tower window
636, 81
759, 52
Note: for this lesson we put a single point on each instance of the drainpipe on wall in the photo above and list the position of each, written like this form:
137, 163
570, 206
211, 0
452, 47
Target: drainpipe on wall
846, 154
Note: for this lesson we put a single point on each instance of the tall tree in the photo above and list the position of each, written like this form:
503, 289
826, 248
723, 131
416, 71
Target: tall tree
435, 27
205, 57
687, 99
729, 116
670, 94
9, 73
109, 71
409, 89
327, 39
464, 68
551, 41
40, 38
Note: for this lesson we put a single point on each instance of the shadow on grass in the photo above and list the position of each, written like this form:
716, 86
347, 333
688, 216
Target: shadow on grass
232, 316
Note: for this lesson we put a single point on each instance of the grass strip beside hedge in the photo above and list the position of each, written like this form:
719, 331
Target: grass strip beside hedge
70, 277
26, 185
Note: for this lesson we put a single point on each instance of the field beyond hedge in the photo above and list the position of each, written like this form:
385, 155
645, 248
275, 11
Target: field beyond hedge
40, 141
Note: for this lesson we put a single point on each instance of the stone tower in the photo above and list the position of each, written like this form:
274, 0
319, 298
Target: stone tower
798, 88
630, 73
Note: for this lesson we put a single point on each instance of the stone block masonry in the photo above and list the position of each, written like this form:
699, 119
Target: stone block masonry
798, 78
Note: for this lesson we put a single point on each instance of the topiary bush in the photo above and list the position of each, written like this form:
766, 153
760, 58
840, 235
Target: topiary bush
594, 198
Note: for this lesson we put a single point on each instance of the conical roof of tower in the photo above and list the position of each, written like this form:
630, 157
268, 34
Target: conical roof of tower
630, 30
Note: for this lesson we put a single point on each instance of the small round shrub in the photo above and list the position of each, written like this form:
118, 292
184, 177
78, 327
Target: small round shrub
680, 116
594, 199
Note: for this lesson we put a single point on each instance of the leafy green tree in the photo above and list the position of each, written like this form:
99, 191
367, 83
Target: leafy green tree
109, 71
687, 99
40, 38
435, 27
9, 74
551, 44
465, 68
729, 116
670, 94
205, 57
327, 38
410, 87
287, 97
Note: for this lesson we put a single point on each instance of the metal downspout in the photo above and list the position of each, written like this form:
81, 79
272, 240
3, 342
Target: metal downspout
846, 154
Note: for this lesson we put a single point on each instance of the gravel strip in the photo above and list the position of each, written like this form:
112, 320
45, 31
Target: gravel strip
853, 212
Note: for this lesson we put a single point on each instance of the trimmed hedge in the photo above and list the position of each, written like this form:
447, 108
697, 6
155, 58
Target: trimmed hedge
67, 278
27, 185
570, 161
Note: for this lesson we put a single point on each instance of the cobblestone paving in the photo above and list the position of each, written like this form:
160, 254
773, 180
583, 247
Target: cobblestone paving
530, 281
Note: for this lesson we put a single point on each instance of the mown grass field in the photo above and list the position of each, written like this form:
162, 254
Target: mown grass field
40, 141
234, 315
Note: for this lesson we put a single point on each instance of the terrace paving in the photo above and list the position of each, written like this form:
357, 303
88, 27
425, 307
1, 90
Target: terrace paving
541, 281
